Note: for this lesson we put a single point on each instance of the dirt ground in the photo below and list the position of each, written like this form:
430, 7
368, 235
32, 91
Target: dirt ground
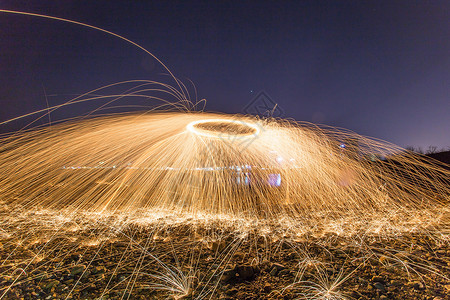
193, 262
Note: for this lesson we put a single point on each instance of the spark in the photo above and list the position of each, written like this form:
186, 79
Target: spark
187, 162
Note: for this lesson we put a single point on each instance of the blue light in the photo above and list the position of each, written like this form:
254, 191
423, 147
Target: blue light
274, 180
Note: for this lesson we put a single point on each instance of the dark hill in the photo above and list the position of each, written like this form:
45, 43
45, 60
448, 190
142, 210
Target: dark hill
441, 156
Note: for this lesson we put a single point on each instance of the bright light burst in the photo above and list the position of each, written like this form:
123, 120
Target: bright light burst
201, 163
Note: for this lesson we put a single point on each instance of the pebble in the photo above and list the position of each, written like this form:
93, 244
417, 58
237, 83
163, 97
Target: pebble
417, 285
245, 272
77, 270
273, 271
284, 272
276, 268
238, 255
378, 279
265, 265
228, 274
76, 257
396, 283
99, 269
267, 287
379, 286
51, 284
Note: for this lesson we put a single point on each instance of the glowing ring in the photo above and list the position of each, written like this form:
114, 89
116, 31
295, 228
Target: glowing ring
191, 127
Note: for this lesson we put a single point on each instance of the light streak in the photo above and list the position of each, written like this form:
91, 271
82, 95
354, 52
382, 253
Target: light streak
168, 161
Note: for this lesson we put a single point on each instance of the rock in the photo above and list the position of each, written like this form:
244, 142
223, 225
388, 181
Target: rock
284, 272
245, 272
238, 255
378, 279
417, 285
51, 284
276, 268
379, 286
267, 287
99, 269
265, 265
273, 271
354, 294
291, 256
228, 274
396, 283
77, 270
76, 257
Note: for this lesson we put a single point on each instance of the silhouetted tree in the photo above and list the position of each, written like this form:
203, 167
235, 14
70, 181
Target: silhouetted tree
431, 149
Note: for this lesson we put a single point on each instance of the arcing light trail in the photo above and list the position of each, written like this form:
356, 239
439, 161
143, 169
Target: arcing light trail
179, 84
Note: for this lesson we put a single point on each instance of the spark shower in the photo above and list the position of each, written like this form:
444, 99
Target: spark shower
177, 163
180, 159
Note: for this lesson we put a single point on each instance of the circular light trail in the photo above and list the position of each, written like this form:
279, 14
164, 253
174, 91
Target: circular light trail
224, 128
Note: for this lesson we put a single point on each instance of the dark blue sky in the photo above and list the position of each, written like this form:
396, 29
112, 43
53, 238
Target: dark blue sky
379, 68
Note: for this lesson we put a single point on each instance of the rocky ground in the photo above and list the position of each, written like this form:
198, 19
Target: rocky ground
191, 262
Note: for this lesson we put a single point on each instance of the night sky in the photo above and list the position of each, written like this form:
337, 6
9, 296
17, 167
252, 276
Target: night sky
379, 68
